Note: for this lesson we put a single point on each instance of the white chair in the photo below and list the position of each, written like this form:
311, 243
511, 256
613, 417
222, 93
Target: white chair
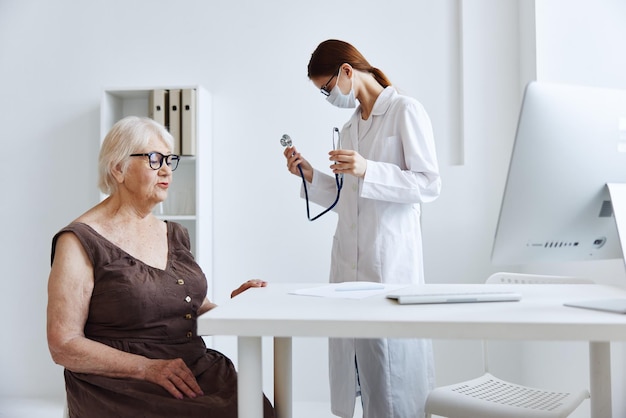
490, 397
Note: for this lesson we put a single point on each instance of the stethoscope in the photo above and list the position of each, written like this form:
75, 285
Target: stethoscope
285, 141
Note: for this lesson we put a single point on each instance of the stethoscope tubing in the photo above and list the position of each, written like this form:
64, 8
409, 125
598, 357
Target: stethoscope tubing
338, 181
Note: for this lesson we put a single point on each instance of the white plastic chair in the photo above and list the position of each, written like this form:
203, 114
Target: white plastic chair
490, 397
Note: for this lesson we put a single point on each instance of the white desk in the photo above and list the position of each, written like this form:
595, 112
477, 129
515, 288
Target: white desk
271, 311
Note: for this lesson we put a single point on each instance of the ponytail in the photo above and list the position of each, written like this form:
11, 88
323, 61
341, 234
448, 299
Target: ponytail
331, 54
380, 77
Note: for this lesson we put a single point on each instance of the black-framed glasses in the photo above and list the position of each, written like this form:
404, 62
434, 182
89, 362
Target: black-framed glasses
324, 89
156, 159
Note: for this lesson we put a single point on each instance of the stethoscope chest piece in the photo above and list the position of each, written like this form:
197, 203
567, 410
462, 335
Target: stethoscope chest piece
285, 141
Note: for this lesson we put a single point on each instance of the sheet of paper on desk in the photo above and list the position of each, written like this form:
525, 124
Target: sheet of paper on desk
348, 290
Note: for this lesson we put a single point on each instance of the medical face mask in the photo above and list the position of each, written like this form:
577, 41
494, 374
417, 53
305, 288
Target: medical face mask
337, 98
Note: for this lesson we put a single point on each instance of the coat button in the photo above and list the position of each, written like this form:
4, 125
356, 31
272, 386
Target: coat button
189, 334
188, 299
180, 281
188, 316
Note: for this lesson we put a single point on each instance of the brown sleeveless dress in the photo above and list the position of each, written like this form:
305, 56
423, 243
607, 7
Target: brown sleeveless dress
143, 310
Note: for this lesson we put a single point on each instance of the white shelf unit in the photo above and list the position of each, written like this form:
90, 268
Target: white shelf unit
190, 200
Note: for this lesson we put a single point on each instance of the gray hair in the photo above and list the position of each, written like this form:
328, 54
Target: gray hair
126, 137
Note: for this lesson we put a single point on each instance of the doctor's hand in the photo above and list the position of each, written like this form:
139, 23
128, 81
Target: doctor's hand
293, 159
348, 162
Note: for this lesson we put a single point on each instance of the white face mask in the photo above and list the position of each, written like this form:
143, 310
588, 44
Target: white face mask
337, 98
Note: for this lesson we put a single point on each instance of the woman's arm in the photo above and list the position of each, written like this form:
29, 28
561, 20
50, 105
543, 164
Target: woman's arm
415, 177
247, 285
206, 306
69, 293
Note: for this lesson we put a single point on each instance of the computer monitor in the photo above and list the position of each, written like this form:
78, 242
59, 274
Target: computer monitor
570, 143
565, 194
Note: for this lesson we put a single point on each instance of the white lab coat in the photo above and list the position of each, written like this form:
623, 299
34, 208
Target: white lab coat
378, 238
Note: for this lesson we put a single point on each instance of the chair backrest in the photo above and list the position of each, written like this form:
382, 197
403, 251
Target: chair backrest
523, 278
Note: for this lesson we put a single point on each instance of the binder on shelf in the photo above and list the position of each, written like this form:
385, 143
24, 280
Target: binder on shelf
174, 118
188, 126
158, 106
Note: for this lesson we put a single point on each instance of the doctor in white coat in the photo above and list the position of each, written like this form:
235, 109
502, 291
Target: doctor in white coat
389, 164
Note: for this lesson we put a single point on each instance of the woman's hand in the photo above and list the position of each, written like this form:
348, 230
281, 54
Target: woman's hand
174, 376
293, 159
348, 162
247, 285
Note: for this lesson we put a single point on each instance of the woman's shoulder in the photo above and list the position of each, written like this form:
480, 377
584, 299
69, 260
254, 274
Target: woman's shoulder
407, 106
399, 98
178, 234
74, 233
391, 100
77, 227
176, 228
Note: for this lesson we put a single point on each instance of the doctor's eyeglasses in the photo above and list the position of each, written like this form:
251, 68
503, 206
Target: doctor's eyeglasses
156, 160
324, 89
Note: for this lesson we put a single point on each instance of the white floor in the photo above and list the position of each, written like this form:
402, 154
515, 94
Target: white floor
319, 410
30, 408
33, 408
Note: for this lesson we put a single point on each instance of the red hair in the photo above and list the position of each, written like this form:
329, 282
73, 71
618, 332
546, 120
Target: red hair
331, 54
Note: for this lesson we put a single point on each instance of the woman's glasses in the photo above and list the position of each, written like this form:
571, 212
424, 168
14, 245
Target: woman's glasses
156, 160
324, 88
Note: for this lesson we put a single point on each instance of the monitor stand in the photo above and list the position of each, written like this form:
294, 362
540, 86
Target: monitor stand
617, 191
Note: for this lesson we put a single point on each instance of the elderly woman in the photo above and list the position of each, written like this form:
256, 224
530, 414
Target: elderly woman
124, 293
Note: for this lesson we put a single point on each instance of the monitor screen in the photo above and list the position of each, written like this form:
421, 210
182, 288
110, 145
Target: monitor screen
556, 207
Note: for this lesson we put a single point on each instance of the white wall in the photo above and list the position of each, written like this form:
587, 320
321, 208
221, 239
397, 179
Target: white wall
56, 57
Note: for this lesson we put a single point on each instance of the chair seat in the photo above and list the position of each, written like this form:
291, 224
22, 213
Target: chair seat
490, 397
